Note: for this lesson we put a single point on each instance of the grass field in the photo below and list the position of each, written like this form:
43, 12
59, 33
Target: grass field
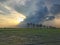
29, 36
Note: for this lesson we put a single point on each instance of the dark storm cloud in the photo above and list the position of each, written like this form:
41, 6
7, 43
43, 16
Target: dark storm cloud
53, 1
24, 9
36, 11
3, 0
38, 8
36, 15
55, 9
40, 13
21, 9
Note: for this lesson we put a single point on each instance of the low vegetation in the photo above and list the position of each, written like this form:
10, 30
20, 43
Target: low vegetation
29, 36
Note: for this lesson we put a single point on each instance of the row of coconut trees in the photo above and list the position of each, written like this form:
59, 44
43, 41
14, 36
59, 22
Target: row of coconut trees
32, 25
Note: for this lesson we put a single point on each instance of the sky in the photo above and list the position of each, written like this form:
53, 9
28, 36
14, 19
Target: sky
16, 13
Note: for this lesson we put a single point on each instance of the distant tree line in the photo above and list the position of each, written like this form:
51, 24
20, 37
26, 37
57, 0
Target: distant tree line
33, 25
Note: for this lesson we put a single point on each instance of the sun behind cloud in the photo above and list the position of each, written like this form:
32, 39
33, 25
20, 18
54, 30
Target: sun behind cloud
12, 19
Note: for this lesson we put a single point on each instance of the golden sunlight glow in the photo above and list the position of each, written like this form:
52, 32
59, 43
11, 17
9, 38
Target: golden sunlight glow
12, 19
20, 19
55, 22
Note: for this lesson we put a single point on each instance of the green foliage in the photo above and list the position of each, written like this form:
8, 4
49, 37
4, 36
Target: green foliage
29, 36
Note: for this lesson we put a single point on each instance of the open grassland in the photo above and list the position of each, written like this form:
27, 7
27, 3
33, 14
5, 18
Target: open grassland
29, 36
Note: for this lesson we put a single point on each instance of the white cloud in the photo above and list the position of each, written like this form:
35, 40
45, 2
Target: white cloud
9, 19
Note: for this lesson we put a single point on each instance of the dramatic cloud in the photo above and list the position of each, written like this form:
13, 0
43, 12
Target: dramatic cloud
55, 22
55, 9
45, 11
35, 11
4, 9
9, 17
2, 0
